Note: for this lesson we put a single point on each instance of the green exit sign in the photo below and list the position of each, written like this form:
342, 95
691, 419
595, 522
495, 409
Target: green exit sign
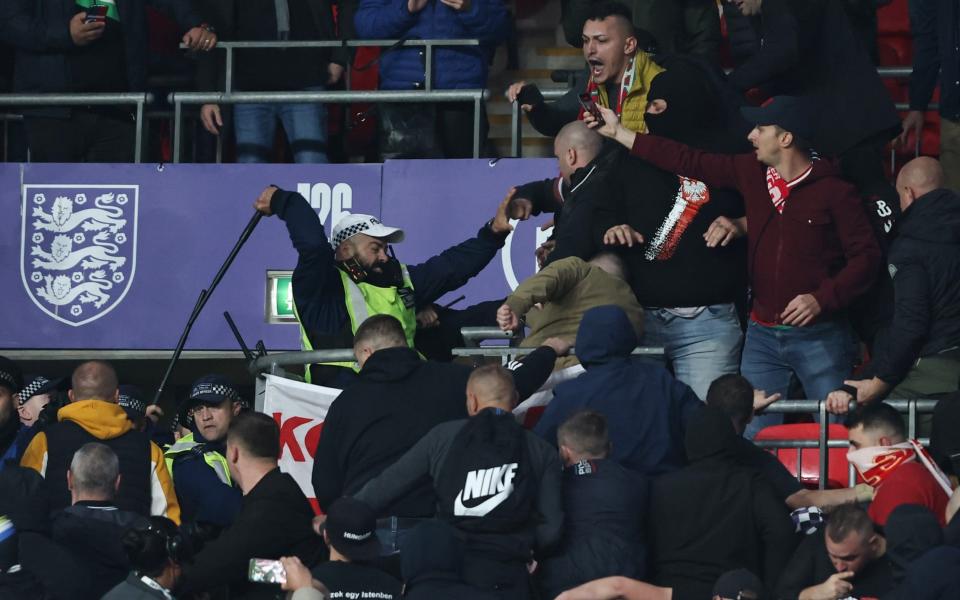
278, 306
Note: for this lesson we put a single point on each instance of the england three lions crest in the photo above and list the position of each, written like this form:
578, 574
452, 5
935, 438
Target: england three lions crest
78, 248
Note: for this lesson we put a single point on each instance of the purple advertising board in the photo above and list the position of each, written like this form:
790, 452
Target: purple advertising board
115, 256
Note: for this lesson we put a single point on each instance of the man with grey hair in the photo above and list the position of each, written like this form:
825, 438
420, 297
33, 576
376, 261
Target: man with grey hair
92, 527
93, 415
575, 197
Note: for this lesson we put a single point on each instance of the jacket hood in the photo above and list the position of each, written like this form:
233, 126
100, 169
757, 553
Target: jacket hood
432, 550
710, 434
101, 419
391, 364
933, 217
605, 333
911, 531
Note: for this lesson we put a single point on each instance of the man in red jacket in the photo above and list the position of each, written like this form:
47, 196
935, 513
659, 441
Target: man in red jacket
811, 250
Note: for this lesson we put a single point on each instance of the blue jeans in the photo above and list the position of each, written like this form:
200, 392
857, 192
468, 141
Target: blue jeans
304, 124
700, 348
819, 355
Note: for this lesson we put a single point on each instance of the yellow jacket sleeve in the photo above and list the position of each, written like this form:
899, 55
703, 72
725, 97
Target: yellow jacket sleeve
163, 498
35, 456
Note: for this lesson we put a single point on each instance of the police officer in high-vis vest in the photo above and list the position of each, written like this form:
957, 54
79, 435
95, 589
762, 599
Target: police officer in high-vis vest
338, 283
197, 460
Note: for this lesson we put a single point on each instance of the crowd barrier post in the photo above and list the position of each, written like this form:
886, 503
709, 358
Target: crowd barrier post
138, 100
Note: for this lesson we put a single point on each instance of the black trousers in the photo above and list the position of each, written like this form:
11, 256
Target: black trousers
84, 136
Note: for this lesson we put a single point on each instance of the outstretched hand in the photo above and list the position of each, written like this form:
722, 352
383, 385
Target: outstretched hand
501, 221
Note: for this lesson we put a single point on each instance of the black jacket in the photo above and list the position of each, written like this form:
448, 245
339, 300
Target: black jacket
318, 290
604, 505
936, 55
714, 516
432, 565
397, 399
276, 520
91, 532
39, 30
577, 222
222, 14
924, 263
809, 49
811, 565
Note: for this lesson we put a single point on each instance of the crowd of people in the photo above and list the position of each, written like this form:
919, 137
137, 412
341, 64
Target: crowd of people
761, 247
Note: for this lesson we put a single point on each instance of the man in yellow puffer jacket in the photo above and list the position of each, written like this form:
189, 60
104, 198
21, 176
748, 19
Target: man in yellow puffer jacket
93, 415
618, 76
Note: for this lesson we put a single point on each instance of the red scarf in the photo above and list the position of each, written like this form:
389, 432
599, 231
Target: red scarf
626, 82
779, 188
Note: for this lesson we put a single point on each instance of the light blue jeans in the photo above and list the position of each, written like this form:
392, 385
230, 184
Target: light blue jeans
700, 348
304, 124
819, 355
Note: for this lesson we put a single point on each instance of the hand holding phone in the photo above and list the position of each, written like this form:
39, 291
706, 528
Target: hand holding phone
96, 14
590, 106
265, 570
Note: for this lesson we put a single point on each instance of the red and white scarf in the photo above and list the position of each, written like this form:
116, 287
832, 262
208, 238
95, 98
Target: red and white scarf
876, 463
779, 188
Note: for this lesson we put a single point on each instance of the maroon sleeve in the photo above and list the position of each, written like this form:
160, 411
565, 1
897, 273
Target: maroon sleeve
716, 170
860, 249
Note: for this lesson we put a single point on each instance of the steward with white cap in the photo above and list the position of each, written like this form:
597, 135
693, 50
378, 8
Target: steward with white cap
339, 282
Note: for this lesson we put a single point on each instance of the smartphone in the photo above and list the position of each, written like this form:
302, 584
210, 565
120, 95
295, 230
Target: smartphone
96, 14
590, 106
530, 94
264, 570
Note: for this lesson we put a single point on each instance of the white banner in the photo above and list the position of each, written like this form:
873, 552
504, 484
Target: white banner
299, 410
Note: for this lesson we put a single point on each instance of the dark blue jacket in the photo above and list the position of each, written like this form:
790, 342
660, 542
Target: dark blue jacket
39, 30
924, 263
463, 67
936, 55
203, 497
646, 408
318, 290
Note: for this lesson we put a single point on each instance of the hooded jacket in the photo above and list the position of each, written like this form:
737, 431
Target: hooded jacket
646, 408
822, 244
397, 399
463, 67
145, 485
714, 516
924, 264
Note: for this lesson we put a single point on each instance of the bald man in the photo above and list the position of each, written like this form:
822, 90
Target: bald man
498, 483
918, 353
574, 198
93, 415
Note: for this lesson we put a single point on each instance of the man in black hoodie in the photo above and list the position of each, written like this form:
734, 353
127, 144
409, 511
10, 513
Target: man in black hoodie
714, 515
918, 353
397, 399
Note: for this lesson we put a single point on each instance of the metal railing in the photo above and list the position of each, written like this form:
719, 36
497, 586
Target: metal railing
179, 99
819, 407
427, 45
43, 100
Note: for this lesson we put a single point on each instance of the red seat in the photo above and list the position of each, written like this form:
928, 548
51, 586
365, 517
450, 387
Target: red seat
809, 458
894, 18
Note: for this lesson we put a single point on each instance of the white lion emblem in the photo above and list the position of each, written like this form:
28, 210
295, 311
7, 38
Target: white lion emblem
62, 257
60, 291
62, 217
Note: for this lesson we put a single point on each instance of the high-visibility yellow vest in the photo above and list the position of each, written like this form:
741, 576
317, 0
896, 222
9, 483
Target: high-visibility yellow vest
214, 460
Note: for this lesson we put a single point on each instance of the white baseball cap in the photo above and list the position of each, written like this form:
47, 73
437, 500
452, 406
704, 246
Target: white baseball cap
350, 225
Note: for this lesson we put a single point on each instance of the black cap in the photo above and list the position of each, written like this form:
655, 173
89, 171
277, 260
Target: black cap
132, 402
213, 389
787, 112
37, 385
739, 584
10, 375
352, 528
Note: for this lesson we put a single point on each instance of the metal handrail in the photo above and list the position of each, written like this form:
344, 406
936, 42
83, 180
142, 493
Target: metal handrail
229, 47
178, 99
136, 99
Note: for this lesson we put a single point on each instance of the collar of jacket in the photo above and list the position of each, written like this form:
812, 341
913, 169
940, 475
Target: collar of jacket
578, 178
390, 364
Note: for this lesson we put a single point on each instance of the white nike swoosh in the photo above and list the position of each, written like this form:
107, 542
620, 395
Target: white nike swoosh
482, 509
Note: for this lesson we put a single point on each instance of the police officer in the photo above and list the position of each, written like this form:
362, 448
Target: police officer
197, 461
338, 283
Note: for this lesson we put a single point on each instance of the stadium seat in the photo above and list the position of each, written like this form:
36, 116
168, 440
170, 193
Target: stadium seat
894, 18
809, 458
